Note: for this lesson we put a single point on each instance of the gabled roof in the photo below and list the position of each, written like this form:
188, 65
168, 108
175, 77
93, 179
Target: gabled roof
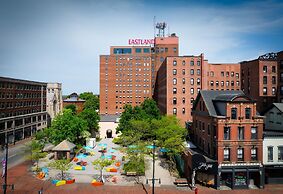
279, 106
210, 95
109, 118
64, 146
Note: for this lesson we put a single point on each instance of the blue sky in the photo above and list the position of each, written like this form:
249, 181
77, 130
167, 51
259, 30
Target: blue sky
60, 41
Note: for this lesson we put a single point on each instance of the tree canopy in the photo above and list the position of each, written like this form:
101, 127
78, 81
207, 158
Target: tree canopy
92, 101
144, 123
72, 107
67, 126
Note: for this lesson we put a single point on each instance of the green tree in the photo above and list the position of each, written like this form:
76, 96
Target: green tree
100, 164
150, 109
68, 126
62, 165
169, 134
92, 118
34, 148
92, 101
72, 107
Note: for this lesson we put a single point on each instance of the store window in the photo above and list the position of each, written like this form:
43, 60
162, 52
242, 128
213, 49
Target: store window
270, 154
280, 153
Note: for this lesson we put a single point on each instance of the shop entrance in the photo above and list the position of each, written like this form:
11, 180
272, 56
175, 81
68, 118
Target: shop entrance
226, 179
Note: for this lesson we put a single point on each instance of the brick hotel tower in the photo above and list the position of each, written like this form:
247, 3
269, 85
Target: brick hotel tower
259, 80
180, 78
128, 74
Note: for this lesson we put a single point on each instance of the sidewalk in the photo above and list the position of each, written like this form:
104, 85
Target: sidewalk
160, 172
26, 183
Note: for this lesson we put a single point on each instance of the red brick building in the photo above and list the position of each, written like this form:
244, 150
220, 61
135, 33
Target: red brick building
280, 76
226, 128
221, 76
259, 80
127, 75
75, 100
179, 79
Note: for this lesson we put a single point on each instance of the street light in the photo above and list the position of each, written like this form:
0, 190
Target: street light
153, 168
5, 167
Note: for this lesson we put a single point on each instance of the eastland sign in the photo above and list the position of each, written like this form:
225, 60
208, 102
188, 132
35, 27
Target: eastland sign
141, 41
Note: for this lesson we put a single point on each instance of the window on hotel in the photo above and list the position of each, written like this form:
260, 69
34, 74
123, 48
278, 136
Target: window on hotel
198, 81
174, 90
254, 154
174, 62
264, 69
264, 91
237, 75
183, 71
183, 80
174, 100
217, 83
174, 111
232, 83
174, 71
264, 79
227, 73
161, 59
138, 50
233, 113
227, 83
226, 133
273, 91
183, 100
174, 81
146, 50
183, 90
211, 74
248, 113
183, 62
183, 111
232, 74
222, 73
192, 90
273, 69
175, 49
241, 133
198, 63
211, 83
280, 153
270, 154
192, 72
226, 154
240, 154
198, 71
253, 132
273, 80
222, 83
192, 63
192, 81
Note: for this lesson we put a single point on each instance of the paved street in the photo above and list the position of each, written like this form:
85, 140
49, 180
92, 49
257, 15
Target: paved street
16, 154
25, 183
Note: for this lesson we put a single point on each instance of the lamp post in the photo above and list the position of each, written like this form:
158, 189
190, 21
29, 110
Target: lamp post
153, 167
153, 179
5, 166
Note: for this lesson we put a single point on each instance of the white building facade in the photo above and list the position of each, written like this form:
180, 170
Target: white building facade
54, 104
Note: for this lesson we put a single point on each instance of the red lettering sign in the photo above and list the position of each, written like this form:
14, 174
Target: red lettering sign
141, 41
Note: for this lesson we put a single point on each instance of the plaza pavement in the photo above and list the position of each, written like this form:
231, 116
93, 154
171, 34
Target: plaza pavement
25, 183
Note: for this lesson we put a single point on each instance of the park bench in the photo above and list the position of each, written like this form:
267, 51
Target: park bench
131, 173
182, 182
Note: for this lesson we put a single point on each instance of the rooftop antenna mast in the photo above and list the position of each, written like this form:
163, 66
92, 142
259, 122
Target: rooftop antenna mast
161, 28
154, 29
